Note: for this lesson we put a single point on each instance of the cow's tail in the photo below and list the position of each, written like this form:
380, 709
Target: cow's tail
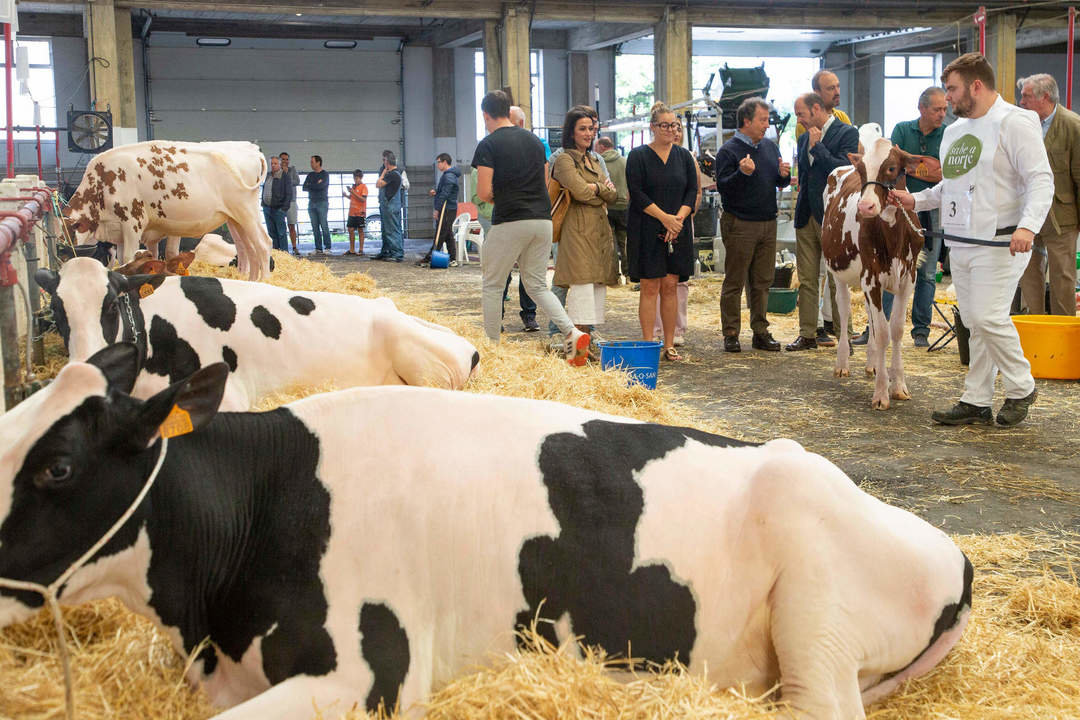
228, 162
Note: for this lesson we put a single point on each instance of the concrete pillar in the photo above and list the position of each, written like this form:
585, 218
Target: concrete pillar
579, 79
672, 48
493, 79
125, 70
515, 59
1001, 52
108, 33
860, 91
444, 117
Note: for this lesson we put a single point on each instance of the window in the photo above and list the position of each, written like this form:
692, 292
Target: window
906, 76
338, 210
536, 80
40, 88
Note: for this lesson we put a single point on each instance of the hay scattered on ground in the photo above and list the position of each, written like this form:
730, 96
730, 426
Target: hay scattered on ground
1019, 659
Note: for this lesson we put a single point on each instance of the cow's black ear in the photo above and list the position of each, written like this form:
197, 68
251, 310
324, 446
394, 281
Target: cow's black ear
186, 405
120, 364
136, 283
47, 280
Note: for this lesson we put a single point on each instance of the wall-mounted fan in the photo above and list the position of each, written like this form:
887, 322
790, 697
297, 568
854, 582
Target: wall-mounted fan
89, 131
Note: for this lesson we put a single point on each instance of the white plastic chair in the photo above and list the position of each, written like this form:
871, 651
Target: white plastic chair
466, 229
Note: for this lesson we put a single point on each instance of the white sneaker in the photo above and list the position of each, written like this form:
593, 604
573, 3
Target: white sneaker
577, 347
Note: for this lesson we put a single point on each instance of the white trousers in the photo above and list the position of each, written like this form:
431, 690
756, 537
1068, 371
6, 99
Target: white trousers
985, 279
585, 303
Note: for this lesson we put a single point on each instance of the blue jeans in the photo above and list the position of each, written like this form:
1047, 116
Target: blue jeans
317, 211
275, 226
393, 245
925, 283
528, 306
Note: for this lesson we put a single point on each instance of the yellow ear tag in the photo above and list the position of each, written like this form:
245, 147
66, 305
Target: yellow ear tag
180, 269
922, 170
178, 423
146, 290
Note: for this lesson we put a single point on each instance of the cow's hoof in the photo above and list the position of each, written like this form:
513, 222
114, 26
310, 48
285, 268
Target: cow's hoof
880, 404
841, 372
900, 394
870, 372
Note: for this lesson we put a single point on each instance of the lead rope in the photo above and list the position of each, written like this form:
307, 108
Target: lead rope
49, 591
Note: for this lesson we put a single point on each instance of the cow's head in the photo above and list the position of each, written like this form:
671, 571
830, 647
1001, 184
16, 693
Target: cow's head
74, 457
87, 303
881, 168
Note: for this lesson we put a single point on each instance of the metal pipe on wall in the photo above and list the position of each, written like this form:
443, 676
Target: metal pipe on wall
980, 20
1069, 59
9, 60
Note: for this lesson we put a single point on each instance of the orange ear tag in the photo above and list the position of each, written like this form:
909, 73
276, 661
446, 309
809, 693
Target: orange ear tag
146, 290
180, 269
922, 170
178, 423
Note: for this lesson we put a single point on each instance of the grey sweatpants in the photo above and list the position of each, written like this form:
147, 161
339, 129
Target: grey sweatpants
528, 242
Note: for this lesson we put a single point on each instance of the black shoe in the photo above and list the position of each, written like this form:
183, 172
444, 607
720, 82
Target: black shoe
731, 344
531, 326
963, 413
862, 339
921, 341
801, 343
823, 339
765, 341
829, 327
1013, 411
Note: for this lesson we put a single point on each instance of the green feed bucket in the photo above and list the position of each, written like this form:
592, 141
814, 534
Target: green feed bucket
640, 358
782, 300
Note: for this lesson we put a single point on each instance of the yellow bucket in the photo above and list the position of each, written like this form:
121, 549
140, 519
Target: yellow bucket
1051, 344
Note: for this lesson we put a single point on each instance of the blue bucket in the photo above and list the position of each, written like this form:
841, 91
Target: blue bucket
640, 358
440, 259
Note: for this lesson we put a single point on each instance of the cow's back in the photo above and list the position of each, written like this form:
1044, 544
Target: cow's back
686, 532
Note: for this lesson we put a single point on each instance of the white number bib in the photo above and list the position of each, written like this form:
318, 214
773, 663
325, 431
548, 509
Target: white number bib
956, 203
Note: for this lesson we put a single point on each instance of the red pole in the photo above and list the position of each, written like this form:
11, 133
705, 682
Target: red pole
980, 20
9, 61
37, 129
1069, 59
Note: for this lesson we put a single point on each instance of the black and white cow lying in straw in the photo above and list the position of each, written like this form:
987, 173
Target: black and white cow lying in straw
330, 574
270, 337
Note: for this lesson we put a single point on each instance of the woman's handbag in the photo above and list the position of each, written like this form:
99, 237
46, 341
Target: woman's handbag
560, 203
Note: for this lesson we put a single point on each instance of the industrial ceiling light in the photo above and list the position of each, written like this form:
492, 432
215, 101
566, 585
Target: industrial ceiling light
339, 44
213, 42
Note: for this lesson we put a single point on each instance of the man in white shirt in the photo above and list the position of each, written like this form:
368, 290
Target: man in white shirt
997, 184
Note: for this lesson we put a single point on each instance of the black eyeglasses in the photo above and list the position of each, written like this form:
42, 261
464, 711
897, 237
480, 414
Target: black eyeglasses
667, 126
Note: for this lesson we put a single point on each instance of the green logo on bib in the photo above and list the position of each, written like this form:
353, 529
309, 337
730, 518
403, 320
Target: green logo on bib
963, 155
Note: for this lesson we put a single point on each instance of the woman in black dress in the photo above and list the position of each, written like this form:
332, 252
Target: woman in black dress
662, 180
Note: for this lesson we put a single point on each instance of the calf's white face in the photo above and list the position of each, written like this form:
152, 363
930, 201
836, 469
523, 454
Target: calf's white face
87, 309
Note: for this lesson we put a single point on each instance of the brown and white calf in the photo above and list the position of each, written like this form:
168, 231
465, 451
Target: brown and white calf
165, 189
872, 244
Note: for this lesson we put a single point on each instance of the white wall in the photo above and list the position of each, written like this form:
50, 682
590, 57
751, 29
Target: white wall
419, 78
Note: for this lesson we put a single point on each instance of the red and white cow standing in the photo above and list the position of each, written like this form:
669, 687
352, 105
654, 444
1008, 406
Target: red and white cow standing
158, 189
871, 244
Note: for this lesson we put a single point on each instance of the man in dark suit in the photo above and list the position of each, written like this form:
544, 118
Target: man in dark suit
822, 148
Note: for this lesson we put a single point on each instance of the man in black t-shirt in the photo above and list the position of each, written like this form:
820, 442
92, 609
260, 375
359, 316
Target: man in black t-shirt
316, 185
389, 183
511, 172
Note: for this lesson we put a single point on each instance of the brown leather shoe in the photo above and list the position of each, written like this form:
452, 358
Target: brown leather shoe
801, 343
765, 341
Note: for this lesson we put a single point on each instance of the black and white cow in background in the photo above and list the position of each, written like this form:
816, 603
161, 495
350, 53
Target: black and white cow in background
327, 573
270, 337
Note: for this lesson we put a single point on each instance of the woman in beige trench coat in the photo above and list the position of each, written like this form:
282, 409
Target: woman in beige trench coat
586, 249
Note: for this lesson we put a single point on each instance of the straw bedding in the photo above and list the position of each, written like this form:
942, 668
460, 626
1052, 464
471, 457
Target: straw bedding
1019, 658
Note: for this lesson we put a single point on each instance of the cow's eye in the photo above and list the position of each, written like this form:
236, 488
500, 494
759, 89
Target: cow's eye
55, 474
